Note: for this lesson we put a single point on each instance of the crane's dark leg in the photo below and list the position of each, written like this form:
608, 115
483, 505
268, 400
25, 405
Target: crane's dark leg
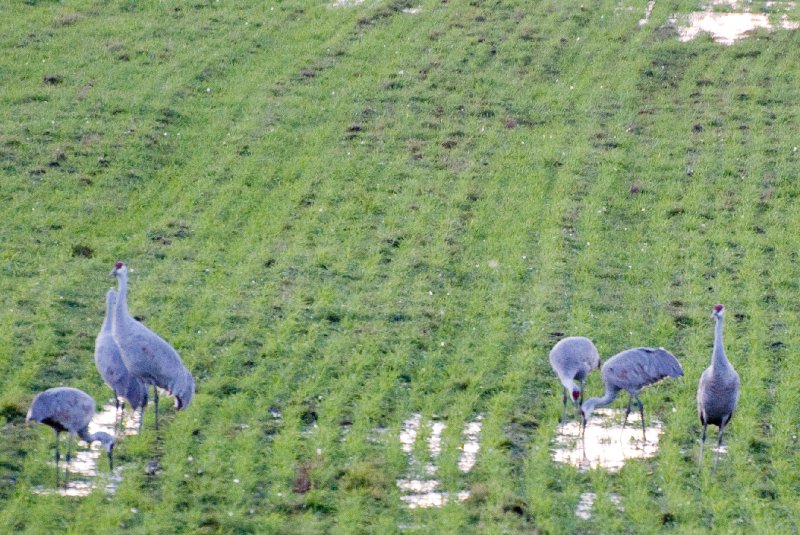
117, 416
641, 413
564, 412
141, 420
57, 456
580, 402
69, 458
141, 409
719, 445
702, 444
122, 419
627, 410
155, 400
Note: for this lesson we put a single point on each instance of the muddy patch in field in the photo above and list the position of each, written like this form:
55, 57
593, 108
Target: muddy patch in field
725, 28
728, 21
346, 3
606, 443
647, 13
421, 488
586, 504
84, 475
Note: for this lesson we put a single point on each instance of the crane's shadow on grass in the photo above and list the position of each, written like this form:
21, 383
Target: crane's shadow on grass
606, 443
84, 475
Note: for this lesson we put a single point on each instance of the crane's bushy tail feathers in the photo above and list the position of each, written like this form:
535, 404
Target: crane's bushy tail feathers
668, 363
634, 369
136, 394
41, 411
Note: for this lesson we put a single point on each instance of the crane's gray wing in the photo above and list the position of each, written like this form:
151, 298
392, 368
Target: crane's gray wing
655, 365
636, 368
69, 408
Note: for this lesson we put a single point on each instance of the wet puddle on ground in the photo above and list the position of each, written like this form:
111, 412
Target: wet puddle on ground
606, 443
728, 21
84, 475
586, 504
345, 3
423, 493
647, 12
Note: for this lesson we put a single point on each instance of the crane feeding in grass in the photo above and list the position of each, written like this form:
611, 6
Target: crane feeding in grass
573, 359
69, 409
632, 370
146, 355
718, 390
109, 363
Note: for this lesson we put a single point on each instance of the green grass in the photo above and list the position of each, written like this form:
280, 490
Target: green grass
351, 215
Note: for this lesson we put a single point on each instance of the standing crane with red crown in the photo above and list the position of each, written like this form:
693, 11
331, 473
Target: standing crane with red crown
573, 359
718, 390
146, 355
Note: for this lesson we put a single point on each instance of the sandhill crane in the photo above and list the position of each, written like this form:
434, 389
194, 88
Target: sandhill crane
109, 363
146, 355
718, 390
632, 370
573, 359
69, 409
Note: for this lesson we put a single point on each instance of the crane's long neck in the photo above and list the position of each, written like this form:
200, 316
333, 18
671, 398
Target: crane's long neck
86, 436
108, 320
569, 385
718, 359
610, 395
121, 308
103, 438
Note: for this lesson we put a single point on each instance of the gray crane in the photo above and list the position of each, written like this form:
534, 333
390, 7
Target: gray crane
109, 363
69, 409
146, 355
632, 370
718, 390
573, 359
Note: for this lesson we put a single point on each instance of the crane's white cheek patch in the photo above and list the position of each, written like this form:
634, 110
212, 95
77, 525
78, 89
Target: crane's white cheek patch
84, 475
424, 492
606, 443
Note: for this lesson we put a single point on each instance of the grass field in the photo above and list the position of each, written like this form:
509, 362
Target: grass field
345, 216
